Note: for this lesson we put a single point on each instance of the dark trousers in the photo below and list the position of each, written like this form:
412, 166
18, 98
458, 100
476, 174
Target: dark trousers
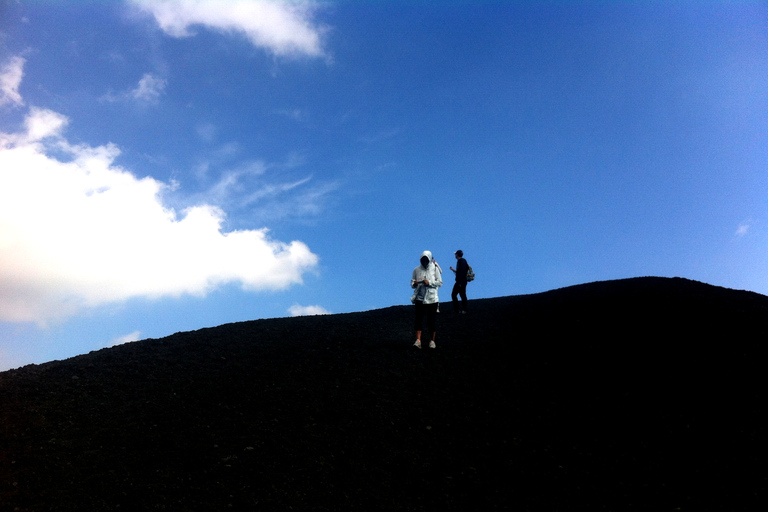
425, 309
459, 289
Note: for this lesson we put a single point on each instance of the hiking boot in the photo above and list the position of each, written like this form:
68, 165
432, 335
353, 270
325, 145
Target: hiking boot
417, 344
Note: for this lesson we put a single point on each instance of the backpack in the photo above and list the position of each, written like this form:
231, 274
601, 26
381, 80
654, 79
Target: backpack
470, 273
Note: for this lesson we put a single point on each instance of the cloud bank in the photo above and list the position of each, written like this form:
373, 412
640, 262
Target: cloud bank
78, 231
283, 27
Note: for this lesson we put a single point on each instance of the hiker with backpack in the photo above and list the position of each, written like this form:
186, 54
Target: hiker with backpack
464, 274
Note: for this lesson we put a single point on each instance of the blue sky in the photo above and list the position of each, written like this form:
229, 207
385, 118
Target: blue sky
168, 166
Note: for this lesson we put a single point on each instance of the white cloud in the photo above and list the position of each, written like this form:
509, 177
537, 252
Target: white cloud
742, 230
150, 88
261, 191
282, 26
80, 231
128, 338
295, 199
10, 79
297, 310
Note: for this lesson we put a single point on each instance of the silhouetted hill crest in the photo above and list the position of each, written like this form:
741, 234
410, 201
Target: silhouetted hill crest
641, 393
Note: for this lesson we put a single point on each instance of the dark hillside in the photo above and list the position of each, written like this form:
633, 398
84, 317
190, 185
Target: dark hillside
638, 394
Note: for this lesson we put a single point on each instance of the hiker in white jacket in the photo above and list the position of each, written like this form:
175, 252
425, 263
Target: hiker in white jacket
425, 281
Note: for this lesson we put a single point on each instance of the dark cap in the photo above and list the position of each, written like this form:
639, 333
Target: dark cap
459, 253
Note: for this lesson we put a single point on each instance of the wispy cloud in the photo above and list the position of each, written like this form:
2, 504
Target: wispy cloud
284, 27
207, 132
298, 199
148, 91
297, 310
260, 191
81, 231
295, 114
742, 230
234, 182
128, 338
380, 136
11, 74
150, 88
272, 190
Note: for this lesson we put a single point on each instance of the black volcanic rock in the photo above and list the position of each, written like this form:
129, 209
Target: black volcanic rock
637, 394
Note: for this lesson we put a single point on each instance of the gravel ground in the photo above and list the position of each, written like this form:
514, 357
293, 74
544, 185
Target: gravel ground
636, 394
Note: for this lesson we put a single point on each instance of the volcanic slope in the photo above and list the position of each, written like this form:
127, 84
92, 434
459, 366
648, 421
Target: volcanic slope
636, 394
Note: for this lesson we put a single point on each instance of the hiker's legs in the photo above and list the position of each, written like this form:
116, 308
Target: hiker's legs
431, 310
459, 289
454, 297
463, 293
419, 318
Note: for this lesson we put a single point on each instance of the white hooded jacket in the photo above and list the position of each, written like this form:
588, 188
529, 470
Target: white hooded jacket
431, 274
